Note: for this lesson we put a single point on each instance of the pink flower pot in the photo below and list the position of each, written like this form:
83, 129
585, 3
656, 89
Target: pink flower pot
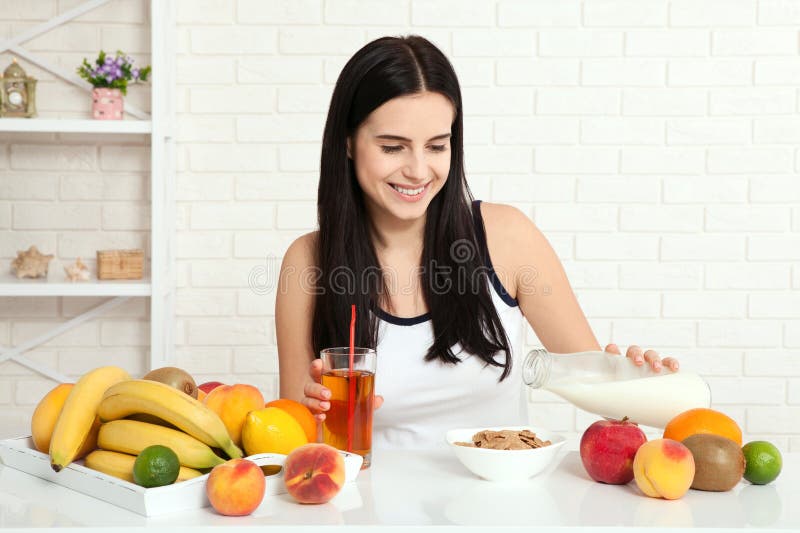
107, 104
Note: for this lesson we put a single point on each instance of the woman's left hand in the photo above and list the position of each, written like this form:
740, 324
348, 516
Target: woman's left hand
639, 357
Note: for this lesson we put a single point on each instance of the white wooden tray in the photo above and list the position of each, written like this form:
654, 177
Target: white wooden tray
19, 453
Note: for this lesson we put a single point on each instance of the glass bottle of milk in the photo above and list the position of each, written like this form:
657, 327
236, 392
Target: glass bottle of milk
612, 386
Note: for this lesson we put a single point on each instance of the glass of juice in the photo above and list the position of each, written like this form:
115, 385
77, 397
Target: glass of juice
349, 402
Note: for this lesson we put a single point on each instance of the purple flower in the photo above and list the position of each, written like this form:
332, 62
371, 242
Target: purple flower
109, 79
118, 73
109, 60
135, 73
119, 62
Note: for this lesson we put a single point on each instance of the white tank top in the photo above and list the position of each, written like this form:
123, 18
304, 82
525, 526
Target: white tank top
425, 399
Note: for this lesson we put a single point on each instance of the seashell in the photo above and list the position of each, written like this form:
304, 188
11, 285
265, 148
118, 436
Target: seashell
77, 271
31, 263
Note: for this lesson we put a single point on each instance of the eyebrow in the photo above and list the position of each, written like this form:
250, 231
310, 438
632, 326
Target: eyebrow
399, 138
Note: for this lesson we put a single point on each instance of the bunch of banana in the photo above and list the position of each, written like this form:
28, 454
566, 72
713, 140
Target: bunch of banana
121, 465
75, 421
171, 405
131, 436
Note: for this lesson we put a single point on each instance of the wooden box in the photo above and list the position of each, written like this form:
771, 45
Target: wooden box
120, 264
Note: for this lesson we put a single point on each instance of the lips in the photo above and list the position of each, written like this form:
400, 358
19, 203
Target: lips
409, 191
409, 194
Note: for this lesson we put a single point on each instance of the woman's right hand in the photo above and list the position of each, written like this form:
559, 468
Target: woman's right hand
317, 397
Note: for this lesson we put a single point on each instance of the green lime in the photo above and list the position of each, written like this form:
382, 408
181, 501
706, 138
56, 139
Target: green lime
156, 466
763, 462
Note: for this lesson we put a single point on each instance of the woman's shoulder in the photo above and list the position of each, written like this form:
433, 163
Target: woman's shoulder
512, 239
507, 223
302, 251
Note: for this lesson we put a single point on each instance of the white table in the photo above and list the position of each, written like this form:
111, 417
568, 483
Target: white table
433, 491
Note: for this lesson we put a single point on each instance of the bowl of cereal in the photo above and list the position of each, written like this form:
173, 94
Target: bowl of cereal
505, 453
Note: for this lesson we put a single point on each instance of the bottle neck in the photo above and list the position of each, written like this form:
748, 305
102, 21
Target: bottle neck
536, 368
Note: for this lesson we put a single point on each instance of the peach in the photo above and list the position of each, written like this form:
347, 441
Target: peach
236, 487
663, 468
313, 473
232, 403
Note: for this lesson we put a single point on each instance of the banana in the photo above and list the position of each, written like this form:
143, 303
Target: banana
120, 465
131, 436
171, 405
76, 418
150, 419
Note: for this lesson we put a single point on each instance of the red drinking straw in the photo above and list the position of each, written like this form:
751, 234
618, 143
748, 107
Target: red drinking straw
351, 404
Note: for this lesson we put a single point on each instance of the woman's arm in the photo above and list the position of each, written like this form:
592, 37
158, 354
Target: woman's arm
530, 269
294, 308
300, 371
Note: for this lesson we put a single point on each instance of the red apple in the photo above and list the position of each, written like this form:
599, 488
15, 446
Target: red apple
208, 386
608, 448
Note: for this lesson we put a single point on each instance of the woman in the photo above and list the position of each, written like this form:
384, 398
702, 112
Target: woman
442, 283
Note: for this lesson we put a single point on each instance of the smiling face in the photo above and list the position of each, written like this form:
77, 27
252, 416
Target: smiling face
402, 155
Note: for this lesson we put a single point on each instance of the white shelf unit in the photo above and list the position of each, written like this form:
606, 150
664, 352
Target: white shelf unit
47, 125
11, 286
159, 285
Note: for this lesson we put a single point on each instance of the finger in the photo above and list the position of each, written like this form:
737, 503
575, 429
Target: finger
612, 348
320, 417
377, 402
315, 370
653, 359
316, 391
634, 352
671, 363
316, 406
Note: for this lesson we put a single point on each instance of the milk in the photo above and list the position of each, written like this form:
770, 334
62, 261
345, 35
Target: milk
650, 401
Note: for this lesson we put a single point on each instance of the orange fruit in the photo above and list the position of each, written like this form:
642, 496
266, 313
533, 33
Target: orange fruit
702, 420
301, 413
201, 395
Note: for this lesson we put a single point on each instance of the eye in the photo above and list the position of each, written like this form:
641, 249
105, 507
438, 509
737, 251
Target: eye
439, 147
391, 149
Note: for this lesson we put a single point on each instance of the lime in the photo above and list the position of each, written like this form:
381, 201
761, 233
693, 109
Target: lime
763, 462
156, 466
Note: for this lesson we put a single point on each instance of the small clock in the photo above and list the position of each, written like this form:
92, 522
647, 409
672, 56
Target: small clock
17, 92
15, 99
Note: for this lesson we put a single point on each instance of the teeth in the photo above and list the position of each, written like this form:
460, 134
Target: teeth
408, 192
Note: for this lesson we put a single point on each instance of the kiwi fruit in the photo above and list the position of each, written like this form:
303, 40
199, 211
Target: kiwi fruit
718, 461
174, 377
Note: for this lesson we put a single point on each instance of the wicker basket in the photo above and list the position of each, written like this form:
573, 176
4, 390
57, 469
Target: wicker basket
120, 264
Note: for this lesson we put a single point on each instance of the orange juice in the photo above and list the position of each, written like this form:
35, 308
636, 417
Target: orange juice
335, 426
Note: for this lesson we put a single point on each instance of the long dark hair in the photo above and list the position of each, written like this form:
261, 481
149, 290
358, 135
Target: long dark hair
460, 304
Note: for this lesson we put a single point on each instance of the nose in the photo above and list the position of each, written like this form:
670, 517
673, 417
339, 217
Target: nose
416, 167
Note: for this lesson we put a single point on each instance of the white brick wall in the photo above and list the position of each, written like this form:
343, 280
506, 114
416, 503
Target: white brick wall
654, 142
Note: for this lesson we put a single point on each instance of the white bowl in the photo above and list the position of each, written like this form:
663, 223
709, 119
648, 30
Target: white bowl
505, 465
